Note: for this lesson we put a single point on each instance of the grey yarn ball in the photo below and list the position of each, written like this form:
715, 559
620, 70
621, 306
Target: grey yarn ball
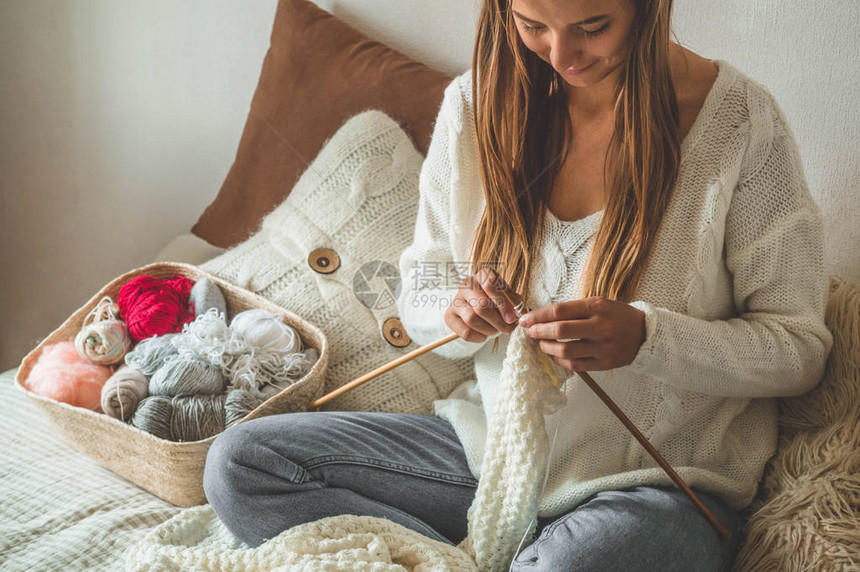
180, 419
183, 376
193, 417
205, 294
153, 415
238, 404
151, 353
197, 417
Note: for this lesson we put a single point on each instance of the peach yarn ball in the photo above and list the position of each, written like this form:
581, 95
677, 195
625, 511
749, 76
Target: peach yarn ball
60, 374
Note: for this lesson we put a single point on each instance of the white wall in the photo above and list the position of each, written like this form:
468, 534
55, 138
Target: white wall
119, 121
120, 118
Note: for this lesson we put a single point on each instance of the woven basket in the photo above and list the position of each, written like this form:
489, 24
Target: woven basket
170, 470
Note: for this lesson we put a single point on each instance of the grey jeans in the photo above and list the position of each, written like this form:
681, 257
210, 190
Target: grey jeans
269, 474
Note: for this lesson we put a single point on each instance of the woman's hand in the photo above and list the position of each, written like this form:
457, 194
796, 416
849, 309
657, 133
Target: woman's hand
479, 309
592, 334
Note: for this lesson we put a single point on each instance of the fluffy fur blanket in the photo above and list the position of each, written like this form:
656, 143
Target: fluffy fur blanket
807, 513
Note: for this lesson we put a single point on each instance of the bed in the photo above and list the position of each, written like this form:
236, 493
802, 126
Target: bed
61, 510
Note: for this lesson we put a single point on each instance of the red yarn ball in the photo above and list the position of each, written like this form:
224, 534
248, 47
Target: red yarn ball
154, 307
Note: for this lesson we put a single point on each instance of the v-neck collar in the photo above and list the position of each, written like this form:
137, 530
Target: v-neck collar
726, 75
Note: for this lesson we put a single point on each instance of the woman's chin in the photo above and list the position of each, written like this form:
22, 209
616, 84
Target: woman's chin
581, 81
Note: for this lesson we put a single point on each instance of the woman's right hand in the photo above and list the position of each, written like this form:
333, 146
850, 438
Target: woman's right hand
480, 310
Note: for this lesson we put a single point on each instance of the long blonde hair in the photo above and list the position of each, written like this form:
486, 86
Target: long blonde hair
522, 118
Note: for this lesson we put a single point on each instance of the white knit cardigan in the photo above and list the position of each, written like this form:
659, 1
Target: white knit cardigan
734, 295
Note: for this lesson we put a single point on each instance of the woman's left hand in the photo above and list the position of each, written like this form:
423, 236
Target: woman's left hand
592, 334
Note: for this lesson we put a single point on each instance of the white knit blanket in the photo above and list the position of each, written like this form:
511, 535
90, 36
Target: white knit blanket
503, 511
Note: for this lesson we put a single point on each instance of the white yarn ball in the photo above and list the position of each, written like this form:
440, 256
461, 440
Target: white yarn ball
266, 331
208, 337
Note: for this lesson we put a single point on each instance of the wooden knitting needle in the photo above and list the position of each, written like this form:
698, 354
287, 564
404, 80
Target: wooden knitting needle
382, 369
520, 308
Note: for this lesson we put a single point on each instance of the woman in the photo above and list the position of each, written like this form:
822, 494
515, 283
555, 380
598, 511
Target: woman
650, 206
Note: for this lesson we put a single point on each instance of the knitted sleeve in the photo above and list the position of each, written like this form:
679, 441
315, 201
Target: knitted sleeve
774, 248
429, 273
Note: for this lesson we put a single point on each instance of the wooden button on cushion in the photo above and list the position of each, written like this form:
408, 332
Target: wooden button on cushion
323, 260
394, 333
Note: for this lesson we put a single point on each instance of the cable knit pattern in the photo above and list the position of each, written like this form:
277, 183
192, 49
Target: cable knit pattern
733, 294
566, 248
359, 198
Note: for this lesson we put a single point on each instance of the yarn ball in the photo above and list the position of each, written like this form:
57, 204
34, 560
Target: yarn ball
150, 354
60, 374
104, 343
276, 360
154, 307
193, 417
205, 295
237, 405
208, 337
122, 393
153, 415
183, 376
266, 331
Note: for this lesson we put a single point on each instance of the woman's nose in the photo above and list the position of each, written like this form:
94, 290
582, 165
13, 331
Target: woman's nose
565, 52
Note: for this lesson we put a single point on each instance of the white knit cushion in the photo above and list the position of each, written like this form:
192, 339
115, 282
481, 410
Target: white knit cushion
359, 198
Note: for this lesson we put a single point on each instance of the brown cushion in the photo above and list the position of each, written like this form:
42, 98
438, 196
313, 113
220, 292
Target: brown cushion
317, 73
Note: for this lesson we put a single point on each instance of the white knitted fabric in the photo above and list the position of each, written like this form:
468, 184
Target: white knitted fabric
504, 508
195, 541
359, 198
506, 502
734, 295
